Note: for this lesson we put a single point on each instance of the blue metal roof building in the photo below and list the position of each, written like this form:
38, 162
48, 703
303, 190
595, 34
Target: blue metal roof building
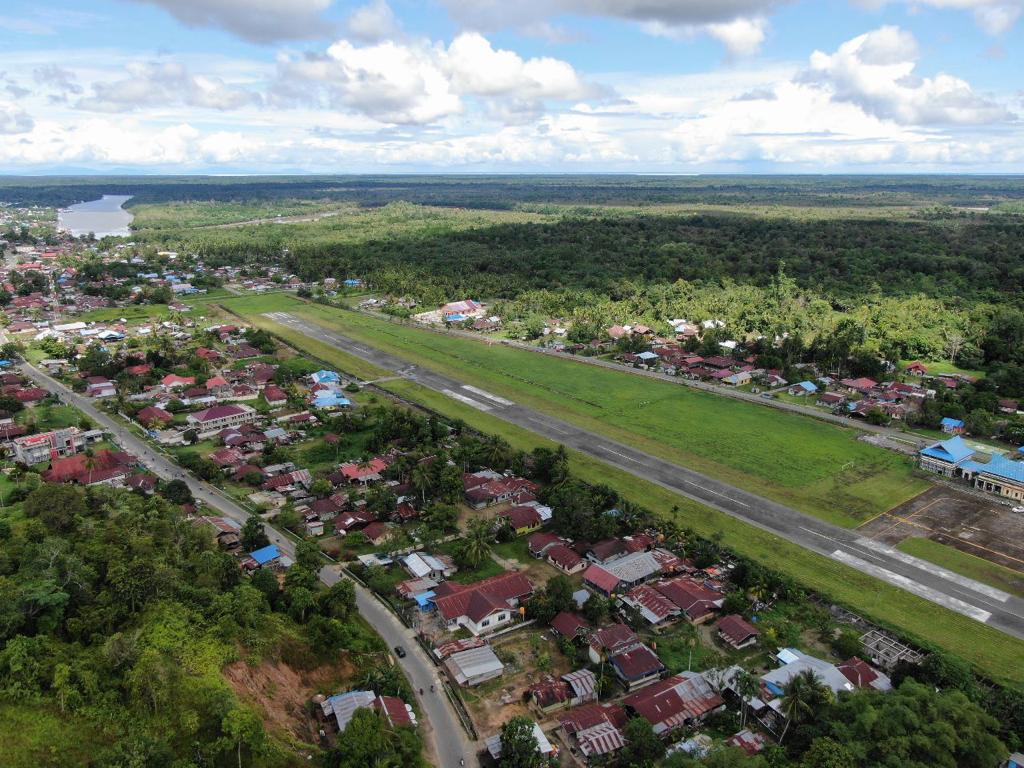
808, 386
954, 450
326, 377
267, 554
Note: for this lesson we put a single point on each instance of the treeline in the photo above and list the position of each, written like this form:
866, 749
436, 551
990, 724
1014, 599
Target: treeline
503, 192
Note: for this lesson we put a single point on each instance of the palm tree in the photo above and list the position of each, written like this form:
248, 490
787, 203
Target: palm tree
477, 543
803, 698
746, 686
422, 480
90, 463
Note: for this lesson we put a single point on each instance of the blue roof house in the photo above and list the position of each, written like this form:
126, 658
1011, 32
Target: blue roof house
952, 426
946, 457
325, 377
327, 400
267, 555
805, 388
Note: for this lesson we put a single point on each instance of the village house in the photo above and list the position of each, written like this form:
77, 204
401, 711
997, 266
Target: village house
737, 632
33, 449
680, 701
486, 488
569, 690
105, 467
483, 606
210, 421
474, 666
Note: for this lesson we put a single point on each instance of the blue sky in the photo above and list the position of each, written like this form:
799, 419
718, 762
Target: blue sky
666, 86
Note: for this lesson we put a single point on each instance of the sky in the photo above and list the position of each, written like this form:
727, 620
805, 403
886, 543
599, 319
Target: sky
511, 86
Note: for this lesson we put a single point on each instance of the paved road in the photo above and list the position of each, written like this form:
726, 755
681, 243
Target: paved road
978, 601
438, 720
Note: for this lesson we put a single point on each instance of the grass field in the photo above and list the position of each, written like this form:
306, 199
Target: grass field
818, 468
33, 736
966, 565
136, 312
991, 651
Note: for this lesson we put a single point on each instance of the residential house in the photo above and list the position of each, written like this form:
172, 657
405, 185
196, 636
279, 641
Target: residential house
422, 566
803, 388
952, 426
266, 557
493, 744
484, 489
211, 420
153, 416
570, 625
474, 666
104, 467
636, 667
522, 519
680, 701
565, 559
595, 728
483, 606
608, 641
737, 632
100, 386
378, 533
342, 707
540, 542
570, 690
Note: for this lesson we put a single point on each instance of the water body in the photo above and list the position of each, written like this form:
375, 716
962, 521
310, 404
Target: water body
103, 217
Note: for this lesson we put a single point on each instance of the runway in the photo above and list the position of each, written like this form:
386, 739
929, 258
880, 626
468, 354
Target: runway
966, 596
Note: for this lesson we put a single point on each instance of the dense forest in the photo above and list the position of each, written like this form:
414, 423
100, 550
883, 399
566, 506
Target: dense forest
502, 192
117, 616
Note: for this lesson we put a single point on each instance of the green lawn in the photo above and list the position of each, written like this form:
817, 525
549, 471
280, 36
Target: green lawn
992, 652
47, 417
965, 564
135, 312
818, 468
945, 367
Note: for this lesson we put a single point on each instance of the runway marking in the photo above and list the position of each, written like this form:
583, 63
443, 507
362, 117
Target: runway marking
467, 400
620, 455
921, 590
546, 425
716, 493
937, 570
488, 395
837, 541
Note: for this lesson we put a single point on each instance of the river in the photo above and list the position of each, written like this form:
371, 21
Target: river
102, 217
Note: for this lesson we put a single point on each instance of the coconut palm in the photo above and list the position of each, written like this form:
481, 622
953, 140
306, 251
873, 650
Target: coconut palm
746, 686
90, 464
477, 542
422, 480
804, 696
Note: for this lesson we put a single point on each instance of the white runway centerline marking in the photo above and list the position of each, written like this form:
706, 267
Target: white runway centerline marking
953, 603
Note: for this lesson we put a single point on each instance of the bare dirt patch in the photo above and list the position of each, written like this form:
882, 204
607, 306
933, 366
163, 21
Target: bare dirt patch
283, 693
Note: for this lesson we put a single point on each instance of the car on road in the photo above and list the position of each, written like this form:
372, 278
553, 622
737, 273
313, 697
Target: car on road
399, 651
1019, 510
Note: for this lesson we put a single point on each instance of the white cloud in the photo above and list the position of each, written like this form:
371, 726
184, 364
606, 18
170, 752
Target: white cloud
994, 16
373, 22
164, 84
258, 21
739, 24
423, 82
876, 72
13, 119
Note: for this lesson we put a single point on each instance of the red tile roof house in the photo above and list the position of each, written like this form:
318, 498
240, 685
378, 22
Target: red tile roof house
354, 472
107, 468
377, 533
608, 641
484, 489
539, 543
30, 396
483, 606
522, 519
676, 702
637, 667
174, 381
565, 560
227, 458
152, 416
653, 606
697, 602
213, 420
275, 397
569, 625
570, 690
737, 632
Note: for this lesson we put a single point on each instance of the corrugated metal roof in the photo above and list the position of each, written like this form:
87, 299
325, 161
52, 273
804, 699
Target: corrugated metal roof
601, 739
583, 683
